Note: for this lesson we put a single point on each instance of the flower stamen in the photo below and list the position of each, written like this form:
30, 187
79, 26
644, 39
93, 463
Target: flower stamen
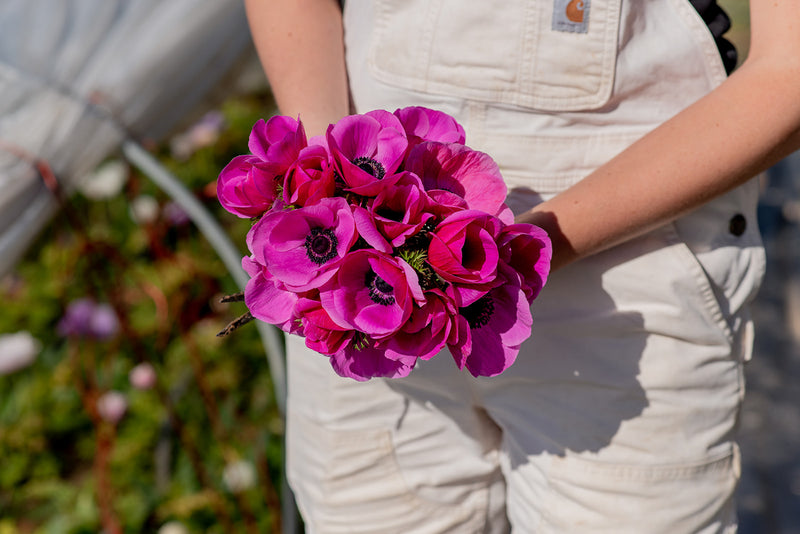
380, 291
321, 245
479, 312
370, 166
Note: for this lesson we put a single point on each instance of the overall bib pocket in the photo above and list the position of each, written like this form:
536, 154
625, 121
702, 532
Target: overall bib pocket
547, 56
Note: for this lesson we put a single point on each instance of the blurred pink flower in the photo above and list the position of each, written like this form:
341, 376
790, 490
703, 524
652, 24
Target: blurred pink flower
204, 132
103, 323
143, 376
111, 406
174, 214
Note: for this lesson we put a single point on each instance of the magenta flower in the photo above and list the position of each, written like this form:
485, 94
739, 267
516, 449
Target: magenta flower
463, 249
528, 250
310, 178
472, 175
491, 329
367, 149
362, 360
267, 299
372, 292
320, 332
430, 327
400, 210
246, 188
423, 124
277, 142
384, 241
301, 248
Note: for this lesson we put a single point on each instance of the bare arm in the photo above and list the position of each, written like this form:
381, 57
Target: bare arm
741, 128
300, 44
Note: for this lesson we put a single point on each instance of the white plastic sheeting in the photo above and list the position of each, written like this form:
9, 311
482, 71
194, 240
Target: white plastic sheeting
78, 77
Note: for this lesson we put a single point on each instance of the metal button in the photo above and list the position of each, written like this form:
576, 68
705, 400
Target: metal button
737, 224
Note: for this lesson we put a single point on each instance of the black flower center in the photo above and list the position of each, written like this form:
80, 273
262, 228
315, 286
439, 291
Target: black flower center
479, 312
321, 245
388, 213
380, 291
370, 166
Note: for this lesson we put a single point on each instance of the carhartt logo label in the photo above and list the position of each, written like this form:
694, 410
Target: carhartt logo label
575, 11
571, 15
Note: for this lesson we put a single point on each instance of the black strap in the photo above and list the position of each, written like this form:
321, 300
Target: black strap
718, 23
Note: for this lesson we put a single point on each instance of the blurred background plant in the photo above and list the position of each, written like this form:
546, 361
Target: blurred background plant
120, 409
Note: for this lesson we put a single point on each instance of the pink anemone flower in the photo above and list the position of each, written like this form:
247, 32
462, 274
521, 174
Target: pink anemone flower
266, 299
364, 359
301, 248
472, 175
423, 124
246, 187
310, 178
491, 329
463, 250
372, 292
320, 332
277, 141
430, 327
527, 249
398, 212
367, 149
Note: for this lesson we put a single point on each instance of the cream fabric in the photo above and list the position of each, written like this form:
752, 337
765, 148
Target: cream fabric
619, 413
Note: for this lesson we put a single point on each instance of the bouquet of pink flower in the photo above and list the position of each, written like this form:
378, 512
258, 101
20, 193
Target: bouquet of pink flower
384, 241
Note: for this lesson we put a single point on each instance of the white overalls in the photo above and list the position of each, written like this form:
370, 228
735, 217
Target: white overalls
619, 414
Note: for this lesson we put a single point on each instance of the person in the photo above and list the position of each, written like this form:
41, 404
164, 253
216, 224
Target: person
618, 132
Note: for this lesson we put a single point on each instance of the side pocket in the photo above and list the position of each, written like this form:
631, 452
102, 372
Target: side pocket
703, 286
691, 496
348, 481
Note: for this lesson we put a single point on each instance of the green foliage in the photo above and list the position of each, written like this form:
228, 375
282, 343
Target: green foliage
66, 469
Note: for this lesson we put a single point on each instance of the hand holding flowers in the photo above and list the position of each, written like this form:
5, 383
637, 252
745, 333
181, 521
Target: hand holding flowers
384, 241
